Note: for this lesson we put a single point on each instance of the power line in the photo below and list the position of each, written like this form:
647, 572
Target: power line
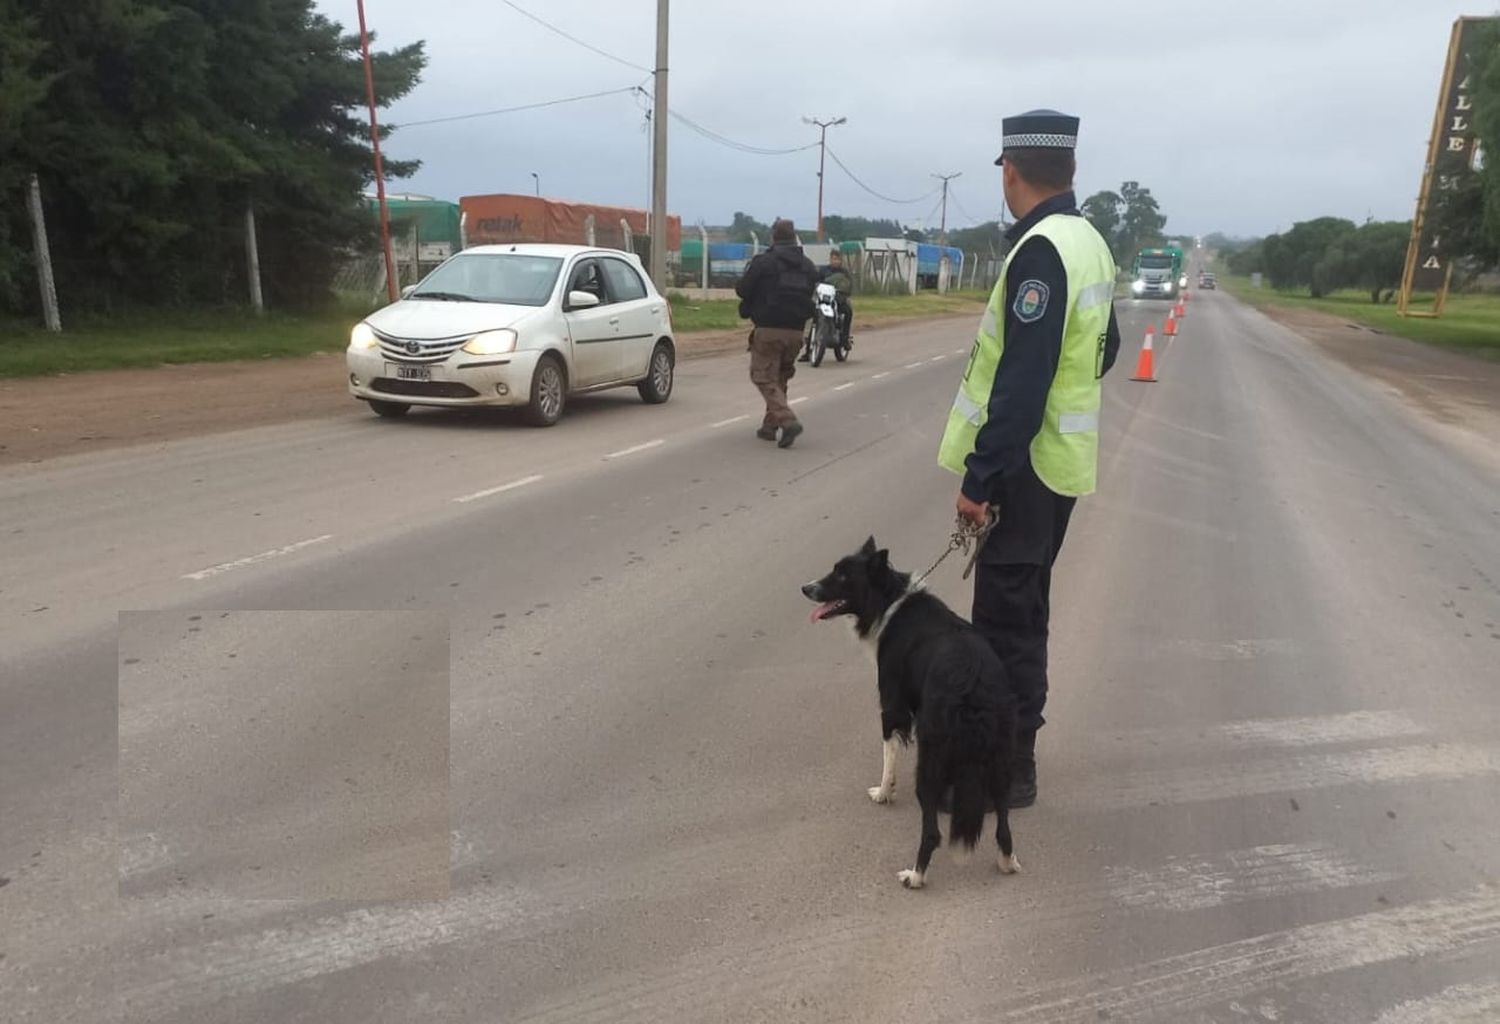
574, 39
512, 110
843, 167
953, 195
724, 140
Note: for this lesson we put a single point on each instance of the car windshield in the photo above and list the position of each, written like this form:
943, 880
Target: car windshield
1156, 262
511, 278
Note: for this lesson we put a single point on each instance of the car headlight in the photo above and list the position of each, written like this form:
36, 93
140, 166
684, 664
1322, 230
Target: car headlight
1138, 287
1166, 286
491, 343
362, 338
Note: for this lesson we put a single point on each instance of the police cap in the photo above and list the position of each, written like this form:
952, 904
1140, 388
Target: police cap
1038, 129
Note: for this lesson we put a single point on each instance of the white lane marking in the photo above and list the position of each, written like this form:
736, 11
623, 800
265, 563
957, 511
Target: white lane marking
488, 491
725, 423
883, 373
913, 366
1458, 1004
844, 387
938, 359
959, 351
1354, 726
1239, 876
637, 448
240, 563
1288, 775
796, 400
1171, 988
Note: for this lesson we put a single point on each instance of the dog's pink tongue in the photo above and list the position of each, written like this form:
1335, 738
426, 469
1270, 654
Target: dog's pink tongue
822, 610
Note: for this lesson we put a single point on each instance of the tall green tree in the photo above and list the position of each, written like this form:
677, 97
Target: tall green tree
1105, 210
162, 120
1129, 219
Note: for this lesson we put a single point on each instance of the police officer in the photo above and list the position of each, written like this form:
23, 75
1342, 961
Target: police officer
776, 296
1024, 430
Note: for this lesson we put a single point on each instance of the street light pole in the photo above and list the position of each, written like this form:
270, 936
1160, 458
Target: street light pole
943, 230
823, 127
659, 154
537, 178
385, 217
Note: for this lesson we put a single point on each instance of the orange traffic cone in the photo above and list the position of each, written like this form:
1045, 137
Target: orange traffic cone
1181, 309
1144, 369
1171, 330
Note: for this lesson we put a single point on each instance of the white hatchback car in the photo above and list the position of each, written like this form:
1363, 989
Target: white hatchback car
516, 325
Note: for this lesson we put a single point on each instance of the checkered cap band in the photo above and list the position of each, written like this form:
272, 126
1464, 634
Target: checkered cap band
1039, 141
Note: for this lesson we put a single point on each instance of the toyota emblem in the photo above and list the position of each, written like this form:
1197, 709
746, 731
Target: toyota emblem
413, 348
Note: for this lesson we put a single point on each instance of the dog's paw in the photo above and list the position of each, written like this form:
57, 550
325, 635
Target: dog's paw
1009, 865
911, 878
880, 794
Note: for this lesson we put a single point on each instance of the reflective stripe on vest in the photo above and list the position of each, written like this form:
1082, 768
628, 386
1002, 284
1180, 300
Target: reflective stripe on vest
1065, 452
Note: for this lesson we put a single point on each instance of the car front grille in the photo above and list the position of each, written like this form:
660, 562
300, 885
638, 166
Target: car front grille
427, 352
423, 388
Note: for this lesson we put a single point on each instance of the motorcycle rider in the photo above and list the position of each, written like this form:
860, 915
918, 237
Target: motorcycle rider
836, 274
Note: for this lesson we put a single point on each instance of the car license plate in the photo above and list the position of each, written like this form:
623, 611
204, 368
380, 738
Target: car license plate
413, 373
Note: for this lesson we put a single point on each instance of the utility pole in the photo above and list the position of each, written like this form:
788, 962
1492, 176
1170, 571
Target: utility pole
943, 230
538, 179
385, 217
50, 315
659, 155
823, 127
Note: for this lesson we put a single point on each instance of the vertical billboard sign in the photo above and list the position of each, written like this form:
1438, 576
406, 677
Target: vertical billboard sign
1452, 155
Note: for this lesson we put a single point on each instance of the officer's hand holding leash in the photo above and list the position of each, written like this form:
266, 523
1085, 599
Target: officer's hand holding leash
969, 534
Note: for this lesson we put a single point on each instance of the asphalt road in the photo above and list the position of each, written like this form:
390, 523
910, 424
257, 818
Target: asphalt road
1268, 786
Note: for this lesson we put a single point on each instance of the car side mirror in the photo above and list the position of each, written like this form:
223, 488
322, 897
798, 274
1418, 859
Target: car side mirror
405, 292
582, 300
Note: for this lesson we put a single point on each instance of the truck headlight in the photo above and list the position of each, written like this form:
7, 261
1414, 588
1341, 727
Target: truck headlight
362, 338
1138, 286
491, 343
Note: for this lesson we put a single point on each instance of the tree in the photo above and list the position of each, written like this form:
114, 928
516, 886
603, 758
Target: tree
1376, 256
163, 119
857, 229
23, 87
1311, 255
1142, 222
744, 226
1104, 210
987, 238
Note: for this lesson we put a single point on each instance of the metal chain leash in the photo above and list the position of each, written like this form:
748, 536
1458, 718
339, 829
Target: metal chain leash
967, 537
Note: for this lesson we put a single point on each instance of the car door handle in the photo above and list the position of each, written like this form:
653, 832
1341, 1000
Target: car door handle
615, 321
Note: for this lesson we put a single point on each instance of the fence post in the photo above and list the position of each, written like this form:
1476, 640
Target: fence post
252, 260
703, 280
629, 235
589, 233
43, 258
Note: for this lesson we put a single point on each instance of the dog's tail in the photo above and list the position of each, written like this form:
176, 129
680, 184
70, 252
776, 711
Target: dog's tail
971, 799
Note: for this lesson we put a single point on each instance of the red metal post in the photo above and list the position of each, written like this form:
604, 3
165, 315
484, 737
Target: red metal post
385, 218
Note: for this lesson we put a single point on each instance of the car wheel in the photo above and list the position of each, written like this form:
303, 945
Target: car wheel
549, 393
657, 387
389, 410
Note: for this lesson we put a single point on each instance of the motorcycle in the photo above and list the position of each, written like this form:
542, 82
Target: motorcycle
827, 326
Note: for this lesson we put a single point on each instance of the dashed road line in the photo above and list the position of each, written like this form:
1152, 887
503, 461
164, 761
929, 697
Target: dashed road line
796, 400
938, 358
489, 491
637, 448
240, 563
913, 366
732, 419
882, 373
844, 387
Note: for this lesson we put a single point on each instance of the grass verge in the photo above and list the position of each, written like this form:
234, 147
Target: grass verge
144, 339
1471, 322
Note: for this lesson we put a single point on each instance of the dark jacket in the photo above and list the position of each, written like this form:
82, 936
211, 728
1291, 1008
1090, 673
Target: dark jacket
776, 289
840, 278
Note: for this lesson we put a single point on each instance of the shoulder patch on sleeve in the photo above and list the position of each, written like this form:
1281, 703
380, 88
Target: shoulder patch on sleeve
1031, 301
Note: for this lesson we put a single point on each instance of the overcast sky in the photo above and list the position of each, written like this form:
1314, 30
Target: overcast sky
1240, 117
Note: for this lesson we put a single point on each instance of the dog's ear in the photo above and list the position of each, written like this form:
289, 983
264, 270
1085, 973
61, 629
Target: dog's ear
881, 562
869, 547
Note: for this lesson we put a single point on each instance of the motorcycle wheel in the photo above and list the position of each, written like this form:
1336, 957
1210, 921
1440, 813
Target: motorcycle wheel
820, 342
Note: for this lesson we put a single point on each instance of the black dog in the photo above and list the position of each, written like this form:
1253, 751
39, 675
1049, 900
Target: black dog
937, 672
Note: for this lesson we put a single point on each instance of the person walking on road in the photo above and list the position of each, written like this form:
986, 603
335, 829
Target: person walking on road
776, 296
1023, 432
